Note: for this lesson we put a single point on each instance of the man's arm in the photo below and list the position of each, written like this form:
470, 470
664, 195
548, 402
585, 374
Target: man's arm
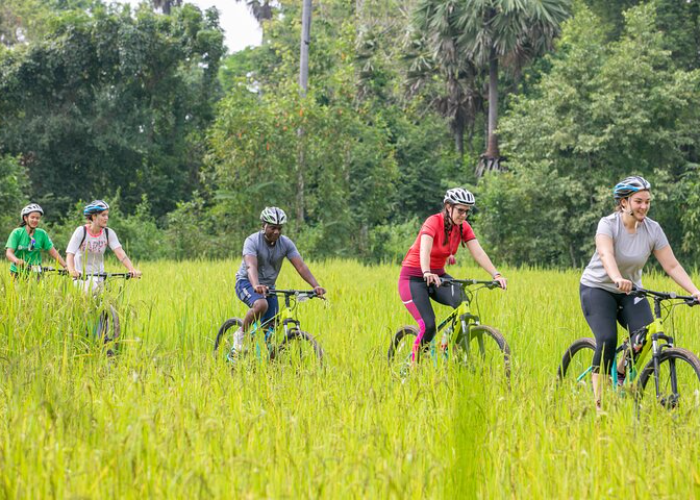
305, 273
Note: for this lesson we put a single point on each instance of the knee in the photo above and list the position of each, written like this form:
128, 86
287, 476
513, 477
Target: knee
260, 306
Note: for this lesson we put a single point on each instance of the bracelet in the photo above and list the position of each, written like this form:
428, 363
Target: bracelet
426, 272
496, 275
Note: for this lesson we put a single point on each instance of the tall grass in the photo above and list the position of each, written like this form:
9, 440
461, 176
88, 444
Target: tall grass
165, 419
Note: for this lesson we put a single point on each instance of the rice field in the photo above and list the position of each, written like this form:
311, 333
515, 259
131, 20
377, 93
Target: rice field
164, 419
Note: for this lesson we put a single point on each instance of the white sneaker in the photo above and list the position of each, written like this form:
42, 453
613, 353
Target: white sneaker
238, 337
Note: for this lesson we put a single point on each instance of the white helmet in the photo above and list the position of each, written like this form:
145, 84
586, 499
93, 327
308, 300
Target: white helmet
273, 215
459, 196
32, 207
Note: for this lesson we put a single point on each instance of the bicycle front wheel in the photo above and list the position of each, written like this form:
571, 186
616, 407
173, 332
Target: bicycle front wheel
299, 349
577, 363
486, 349
109, 329
676, 383
224, 337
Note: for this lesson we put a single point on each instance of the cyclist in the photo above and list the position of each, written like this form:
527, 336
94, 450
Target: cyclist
624, 241
424, 264
87, 246
263, 254
24, 246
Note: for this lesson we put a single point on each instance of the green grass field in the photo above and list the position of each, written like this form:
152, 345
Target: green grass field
164, 419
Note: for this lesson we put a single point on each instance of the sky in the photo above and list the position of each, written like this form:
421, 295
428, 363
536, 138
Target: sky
240, 26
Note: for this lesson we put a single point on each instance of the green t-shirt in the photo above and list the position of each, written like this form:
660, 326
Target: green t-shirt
28, 248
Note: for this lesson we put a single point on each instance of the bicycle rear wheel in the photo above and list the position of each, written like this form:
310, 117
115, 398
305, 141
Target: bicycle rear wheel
401, 349
299, 350
676, 383
224, 337
486, 349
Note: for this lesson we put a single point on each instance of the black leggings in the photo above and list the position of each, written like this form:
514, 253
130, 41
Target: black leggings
603, 310
416, 297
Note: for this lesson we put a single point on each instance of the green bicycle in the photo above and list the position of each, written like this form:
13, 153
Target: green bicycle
462, 336
675, 372
283, 340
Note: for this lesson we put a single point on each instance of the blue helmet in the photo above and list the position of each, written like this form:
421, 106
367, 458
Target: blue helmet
95, 207
629, 186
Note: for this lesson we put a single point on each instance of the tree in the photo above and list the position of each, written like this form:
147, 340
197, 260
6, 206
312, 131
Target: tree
110, 101
603, 112
509, 33
434, 51
166, 6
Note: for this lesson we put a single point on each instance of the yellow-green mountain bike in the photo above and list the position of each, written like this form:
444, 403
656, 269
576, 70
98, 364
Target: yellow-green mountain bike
674, 371
460, 337
279, 339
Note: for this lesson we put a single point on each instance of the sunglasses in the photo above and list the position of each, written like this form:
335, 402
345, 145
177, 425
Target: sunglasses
32, 244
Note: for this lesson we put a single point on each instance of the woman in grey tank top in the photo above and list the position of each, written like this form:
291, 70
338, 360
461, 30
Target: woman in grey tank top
624, 241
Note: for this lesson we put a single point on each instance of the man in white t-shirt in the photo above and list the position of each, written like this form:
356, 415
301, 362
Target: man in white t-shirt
86, 249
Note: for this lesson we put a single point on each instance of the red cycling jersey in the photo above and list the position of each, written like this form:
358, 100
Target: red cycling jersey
434, 226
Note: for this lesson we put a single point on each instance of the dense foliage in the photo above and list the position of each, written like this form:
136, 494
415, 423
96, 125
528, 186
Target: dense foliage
145, 109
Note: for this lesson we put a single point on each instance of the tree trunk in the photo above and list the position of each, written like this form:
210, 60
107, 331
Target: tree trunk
303, 87
459, 141
490, 160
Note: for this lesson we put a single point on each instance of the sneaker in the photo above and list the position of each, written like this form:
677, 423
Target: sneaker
237, 348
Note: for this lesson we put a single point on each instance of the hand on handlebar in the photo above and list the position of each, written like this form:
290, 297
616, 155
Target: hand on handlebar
262, 289
502, 281
74, 273
431, 279
135, 273
320, 291
623, 285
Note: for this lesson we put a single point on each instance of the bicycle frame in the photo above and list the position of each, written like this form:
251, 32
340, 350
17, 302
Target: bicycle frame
655, 332
461, 319
286, 317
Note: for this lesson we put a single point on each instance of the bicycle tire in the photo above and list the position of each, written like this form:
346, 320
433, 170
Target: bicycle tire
687, 375
578, 346
299, 349
490, 356
223, 343
405, 335
109, 329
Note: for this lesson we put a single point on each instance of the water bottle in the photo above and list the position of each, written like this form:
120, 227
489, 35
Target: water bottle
638, 338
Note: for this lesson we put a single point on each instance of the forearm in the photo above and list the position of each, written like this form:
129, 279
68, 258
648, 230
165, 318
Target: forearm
680, 276
10, 255
253, 275
426, 246
70, 262
610, 266
480, 257
57, 256
305, 273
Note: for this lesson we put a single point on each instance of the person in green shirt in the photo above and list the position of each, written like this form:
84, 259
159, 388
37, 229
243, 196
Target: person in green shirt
24, 246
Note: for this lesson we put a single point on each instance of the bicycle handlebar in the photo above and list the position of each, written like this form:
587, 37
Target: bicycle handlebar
306, 293
452, 281
643, 292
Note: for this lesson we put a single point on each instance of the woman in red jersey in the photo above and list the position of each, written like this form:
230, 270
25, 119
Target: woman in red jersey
424, 264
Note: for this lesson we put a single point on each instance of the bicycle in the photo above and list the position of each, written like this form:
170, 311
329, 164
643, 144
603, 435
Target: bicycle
107, 329
671, 368
461, 333
283, 338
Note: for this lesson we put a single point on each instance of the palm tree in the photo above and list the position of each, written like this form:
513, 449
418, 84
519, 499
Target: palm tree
507, 32
261, 10
433, 49
166, 5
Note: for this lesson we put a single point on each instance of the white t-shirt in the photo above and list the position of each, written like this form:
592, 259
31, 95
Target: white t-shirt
631, 251
92, 249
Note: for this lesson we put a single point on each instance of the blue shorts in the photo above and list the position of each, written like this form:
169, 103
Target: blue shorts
248, 295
